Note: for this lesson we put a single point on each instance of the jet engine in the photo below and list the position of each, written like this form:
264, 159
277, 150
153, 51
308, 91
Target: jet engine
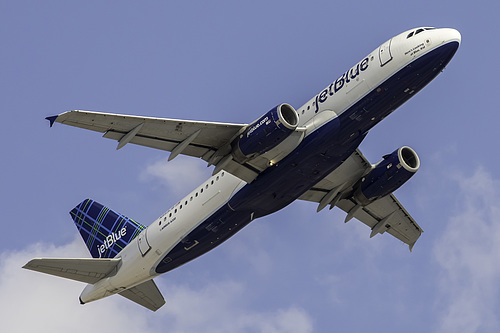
388, 175
266, 132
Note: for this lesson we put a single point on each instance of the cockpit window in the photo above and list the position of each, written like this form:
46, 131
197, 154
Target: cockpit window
413, 33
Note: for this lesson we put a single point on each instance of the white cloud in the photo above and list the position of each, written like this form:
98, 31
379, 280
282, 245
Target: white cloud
33, 301
469, 256
180, 175
218, 308
37, 302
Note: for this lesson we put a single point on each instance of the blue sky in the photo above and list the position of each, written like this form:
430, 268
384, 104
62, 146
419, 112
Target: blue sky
294, 271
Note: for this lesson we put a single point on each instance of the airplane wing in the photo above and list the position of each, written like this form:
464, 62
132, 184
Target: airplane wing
83, 270
145, 294
386, 214
207, 140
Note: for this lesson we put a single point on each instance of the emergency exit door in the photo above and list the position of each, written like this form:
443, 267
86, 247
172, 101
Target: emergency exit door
384, 53
142, 240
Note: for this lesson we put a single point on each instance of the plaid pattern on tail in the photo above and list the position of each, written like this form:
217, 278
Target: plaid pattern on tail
104, 231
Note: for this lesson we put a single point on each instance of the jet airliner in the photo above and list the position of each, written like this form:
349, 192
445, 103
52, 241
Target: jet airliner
310, 153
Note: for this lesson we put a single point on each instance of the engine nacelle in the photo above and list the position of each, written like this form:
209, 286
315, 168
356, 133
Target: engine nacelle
266, 132
388, 175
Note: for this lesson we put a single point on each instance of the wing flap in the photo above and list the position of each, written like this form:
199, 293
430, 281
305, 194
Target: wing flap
115, 126
400, 225
386, 214
194, 150
146, 294
83, 270
207, 140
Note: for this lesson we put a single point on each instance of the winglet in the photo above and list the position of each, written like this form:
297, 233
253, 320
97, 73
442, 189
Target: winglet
52, 119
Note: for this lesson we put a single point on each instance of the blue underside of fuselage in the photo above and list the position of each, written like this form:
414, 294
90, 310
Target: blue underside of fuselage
320, 153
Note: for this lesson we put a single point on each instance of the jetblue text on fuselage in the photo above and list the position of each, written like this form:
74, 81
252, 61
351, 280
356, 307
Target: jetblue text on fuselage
341, 82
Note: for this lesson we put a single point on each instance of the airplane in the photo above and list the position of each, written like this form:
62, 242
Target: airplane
310, 153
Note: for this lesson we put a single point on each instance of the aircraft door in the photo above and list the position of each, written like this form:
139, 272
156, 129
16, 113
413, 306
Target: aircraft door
142, 240
384, 53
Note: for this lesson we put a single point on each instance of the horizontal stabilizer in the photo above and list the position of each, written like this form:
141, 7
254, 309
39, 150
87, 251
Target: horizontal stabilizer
145, 294
83, 270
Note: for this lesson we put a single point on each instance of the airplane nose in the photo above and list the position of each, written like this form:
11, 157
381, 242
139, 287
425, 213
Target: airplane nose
455, 35
451, 35
447, 43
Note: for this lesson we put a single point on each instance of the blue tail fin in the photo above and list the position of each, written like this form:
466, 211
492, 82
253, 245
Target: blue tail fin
105, 231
